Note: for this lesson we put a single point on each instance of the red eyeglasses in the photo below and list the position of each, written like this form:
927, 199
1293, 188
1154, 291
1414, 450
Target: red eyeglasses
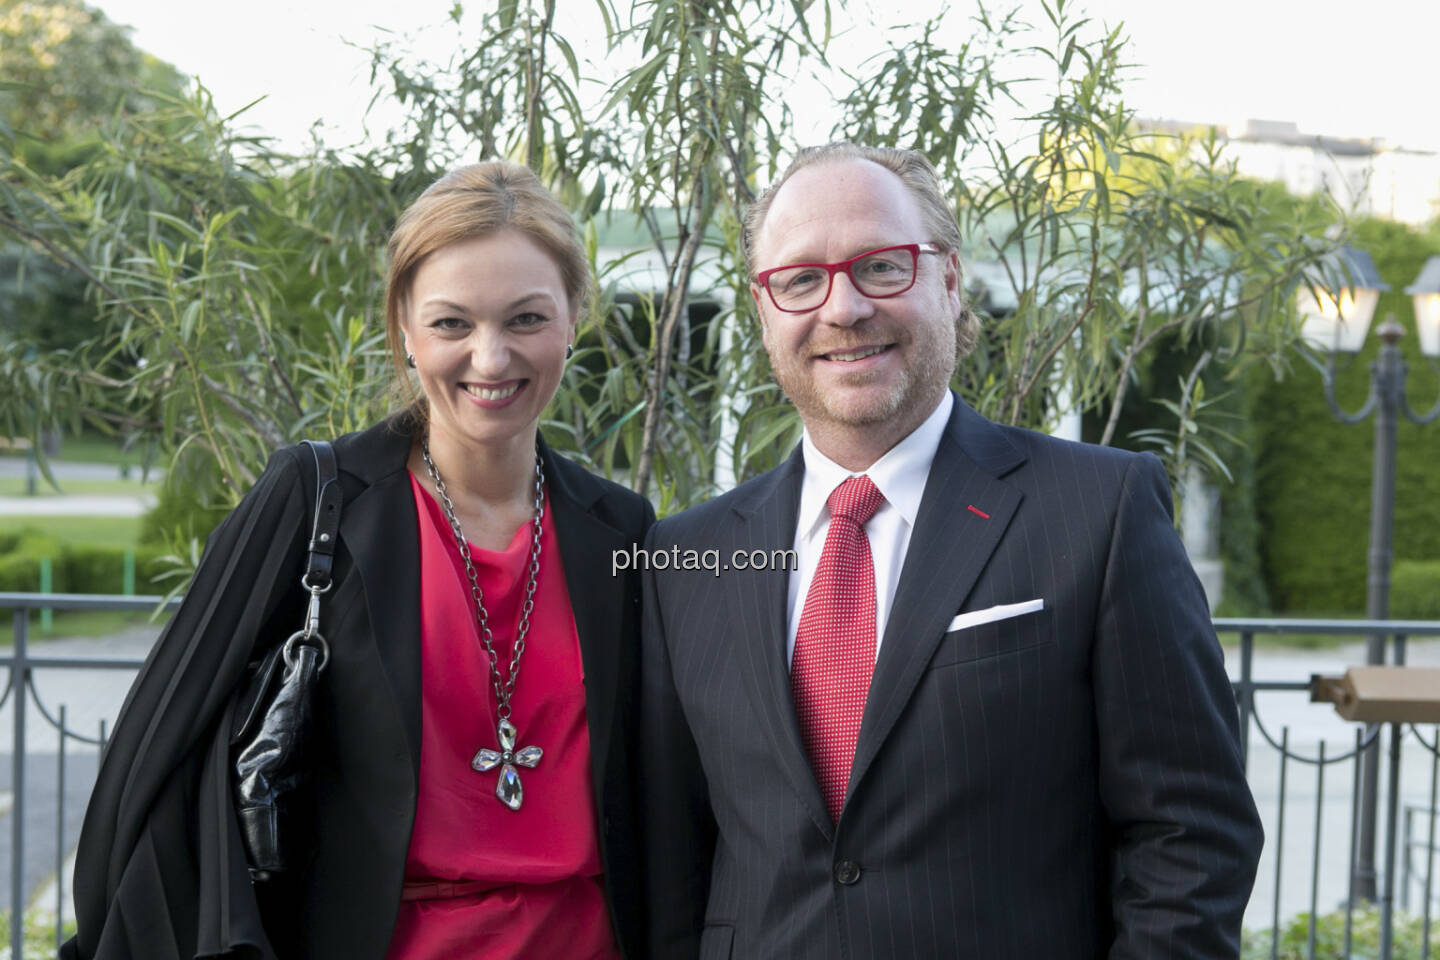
886, 272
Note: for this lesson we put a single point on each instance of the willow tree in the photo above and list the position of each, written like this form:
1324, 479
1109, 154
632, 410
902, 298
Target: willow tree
238, 286
234, 299
1111, 242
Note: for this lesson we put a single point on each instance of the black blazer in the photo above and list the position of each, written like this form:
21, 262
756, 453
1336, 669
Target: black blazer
1065, 783
160, 872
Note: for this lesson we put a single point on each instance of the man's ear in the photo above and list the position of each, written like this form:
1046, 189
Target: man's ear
759, 304
953, 294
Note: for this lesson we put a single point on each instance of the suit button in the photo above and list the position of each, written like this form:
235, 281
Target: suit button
847, 873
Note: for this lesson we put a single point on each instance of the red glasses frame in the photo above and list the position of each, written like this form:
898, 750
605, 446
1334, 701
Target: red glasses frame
845, 266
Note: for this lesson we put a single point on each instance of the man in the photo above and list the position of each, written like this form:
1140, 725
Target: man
986, 716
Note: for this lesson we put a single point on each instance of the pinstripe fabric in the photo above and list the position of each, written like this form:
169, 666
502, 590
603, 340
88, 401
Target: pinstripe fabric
1061, 784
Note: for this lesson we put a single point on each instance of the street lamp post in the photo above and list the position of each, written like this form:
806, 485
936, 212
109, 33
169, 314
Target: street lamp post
1336, 321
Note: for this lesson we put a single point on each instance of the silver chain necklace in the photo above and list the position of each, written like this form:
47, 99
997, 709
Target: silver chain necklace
509, 789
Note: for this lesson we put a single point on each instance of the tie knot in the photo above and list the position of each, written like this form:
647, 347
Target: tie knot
857, 498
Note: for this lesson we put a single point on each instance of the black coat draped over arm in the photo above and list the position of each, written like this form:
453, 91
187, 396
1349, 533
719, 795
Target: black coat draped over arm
160, 871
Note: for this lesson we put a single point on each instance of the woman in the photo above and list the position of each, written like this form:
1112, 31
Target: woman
454, 513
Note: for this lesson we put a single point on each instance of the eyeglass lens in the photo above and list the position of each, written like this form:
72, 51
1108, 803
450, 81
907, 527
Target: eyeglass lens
884, 273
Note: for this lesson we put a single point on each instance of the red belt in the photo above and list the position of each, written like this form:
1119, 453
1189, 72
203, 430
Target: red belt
442, 890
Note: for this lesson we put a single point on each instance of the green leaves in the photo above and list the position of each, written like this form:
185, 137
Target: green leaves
1115, 245
698, 121
200, 248
236, 290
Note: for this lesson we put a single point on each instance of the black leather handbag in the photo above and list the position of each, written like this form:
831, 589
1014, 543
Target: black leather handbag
274, 713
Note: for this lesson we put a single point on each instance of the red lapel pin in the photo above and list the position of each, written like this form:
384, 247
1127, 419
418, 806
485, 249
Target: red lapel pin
977, 511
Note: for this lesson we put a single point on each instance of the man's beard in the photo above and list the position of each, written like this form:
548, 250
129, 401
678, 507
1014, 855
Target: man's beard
929, 373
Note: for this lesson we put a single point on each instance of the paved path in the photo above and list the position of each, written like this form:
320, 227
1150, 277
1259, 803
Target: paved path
89, 697
76, 505
43, 828
79, 505
1308, 724
66, 470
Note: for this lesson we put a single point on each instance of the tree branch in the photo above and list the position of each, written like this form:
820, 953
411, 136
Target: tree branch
65, 259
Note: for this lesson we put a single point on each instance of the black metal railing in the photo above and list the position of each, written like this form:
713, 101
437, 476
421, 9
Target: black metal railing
1392, 636
20, 687
1414, 842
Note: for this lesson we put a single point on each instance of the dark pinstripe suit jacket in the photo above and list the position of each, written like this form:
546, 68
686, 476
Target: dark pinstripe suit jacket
1061, 784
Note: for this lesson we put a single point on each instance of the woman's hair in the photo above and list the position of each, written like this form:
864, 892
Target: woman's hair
475, 201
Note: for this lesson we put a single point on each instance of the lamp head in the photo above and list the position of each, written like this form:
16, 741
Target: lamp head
1426, 292
1338, 301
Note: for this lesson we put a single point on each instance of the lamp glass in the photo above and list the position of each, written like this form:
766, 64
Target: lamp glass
1336, 325
1427, 323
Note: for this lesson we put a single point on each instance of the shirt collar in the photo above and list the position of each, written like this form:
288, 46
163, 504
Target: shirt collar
900, 474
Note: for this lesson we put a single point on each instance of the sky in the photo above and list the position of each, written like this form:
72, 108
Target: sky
1334, 67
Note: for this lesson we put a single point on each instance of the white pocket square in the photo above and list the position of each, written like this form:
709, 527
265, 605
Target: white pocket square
1003, 611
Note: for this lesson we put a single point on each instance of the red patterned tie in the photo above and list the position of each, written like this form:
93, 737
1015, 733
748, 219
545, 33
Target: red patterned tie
835, 643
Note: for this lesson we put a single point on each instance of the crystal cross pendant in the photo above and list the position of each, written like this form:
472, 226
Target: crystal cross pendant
507, 758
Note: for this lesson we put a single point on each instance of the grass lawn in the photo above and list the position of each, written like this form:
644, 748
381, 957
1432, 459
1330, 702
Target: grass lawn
78, 623
90, 448
1299, 641
15, 487
1290, 641
99, 531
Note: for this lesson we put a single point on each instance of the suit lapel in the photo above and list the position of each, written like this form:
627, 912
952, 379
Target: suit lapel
379, 528
586, 543
759, 603
950, 546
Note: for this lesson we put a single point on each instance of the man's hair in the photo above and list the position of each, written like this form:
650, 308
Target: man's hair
476, 201
918, 176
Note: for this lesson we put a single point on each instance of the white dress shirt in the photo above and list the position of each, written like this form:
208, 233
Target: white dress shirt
900, 476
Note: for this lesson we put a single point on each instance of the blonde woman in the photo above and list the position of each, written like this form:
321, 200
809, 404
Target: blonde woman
473, 612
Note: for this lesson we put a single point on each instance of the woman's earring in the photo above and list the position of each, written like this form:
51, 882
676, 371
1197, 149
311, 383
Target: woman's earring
569, 350
410, 360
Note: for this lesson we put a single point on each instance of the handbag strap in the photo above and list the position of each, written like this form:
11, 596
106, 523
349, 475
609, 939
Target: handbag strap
324, 534
325, 531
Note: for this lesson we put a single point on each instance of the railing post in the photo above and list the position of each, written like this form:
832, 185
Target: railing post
1354, 835
60, 839
1387, 895
1430, 845
1247, 695
47, 585
1279, 846
18, 673
1315, 872
1405, 848
1365, 869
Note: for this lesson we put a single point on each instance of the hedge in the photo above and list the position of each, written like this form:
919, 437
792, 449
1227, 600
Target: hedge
1408, 932
1244, 593
76, 569
1313, 473
1415, 590
177, 516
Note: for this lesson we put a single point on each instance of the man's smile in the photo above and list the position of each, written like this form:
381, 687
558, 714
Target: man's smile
853, 354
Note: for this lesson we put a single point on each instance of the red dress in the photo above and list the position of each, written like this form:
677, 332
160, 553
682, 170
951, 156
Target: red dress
481, 880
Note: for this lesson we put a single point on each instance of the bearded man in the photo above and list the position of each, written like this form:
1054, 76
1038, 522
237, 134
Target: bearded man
986, 715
